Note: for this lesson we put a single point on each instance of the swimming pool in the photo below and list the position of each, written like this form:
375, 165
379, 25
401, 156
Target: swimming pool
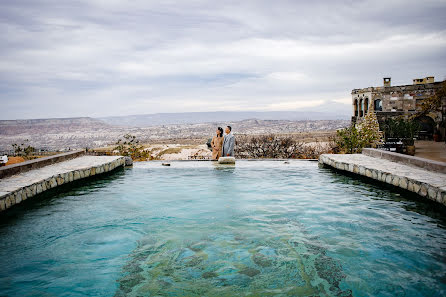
261, 228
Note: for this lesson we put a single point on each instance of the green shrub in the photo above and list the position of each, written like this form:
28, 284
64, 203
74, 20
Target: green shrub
129, 146
366, 133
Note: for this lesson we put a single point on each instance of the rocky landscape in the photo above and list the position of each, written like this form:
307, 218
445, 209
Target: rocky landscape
74, 133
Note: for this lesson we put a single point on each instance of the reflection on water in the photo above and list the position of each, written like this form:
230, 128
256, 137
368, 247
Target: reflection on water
223, 167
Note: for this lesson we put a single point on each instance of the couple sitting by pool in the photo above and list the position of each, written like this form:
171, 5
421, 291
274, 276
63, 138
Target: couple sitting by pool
223, 146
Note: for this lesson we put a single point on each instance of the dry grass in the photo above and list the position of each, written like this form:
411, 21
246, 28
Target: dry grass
15, 160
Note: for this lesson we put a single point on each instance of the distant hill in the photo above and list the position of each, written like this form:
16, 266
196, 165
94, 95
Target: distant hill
55, 125
72, 133
158, 119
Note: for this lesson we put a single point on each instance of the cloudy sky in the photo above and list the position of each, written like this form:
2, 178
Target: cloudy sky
106, 57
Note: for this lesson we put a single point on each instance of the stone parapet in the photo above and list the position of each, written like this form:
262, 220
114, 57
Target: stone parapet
428, 184
13, 169
20, 187
426, 164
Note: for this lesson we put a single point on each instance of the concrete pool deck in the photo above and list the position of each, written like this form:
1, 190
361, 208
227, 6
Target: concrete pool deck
17, 188
424, 182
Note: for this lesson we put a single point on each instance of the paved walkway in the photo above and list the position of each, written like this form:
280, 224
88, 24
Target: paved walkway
425, 183
17, 188
430, 150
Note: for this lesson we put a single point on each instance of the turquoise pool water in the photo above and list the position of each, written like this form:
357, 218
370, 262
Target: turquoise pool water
261, 228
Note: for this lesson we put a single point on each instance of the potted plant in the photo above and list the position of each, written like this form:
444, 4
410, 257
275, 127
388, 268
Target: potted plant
411, 129
401, 133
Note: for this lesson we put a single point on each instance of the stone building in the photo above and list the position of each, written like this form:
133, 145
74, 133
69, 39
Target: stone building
391, 101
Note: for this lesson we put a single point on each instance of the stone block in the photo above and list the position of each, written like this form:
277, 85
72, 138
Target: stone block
432, 193
2, 204
362, 170
34, 189
76, 175
24, 196
70, 176
29, 192
368, 173
17, 197
81, 173
350, 167
39, 188
92, 171
87, 172
44, 187
423, 190
226, 160
416, 187
60, 180
403, 183
12, 198
8, 202
128, 161
410, 186
53, 182
388, 178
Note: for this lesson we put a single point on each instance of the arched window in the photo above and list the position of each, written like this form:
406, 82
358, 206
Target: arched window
361, 108
366, 106
355, 103
378, 106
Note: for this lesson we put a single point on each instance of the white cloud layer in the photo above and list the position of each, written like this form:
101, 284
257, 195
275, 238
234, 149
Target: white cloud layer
99, 58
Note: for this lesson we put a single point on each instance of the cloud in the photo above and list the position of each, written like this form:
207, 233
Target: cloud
98, 58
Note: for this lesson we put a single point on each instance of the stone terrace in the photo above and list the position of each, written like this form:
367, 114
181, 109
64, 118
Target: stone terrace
425, 183
19, 187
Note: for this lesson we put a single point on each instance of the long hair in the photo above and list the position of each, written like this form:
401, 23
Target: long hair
220, 129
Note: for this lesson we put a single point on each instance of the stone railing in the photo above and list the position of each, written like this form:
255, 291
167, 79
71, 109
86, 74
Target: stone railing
14, 190
406, 159
38, 163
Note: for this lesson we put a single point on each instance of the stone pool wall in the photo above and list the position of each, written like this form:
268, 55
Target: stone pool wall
18, 188
428, 184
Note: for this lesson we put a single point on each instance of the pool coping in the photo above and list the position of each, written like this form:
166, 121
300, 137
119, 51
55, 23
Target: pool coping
425, 183
20, 187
